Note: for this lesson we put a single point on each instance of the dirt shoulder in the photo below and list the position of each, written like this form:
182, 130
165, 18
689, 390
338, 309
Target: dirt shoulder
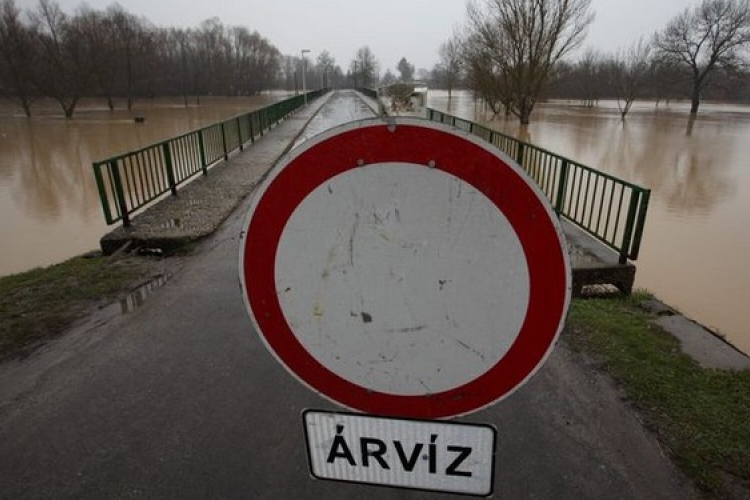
701, 416
39, 305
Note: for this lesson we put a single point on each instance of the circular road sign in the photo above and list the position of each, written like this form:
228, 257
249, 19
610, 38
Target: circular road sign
404, 268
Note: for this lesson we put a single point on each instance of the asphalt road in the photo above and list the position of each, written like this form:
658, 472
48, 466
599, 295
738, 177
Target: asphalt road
180, 399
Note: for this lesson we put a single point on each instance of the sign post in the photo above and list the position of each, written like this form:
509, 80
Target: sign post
405, 269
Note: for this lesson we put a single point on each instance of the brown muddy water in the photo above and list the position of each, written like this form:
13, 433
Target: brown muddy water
49, 204
696, 246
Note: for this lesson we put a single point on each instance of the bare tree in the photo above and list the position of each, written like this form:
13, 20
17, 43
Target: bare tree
706, 38
484, 76
62, 70
388, 78
629, 74
451, 63
364, 67
326, 63
589, 71
99, 44
176, 51
17, 55
406, 69
526, 39
112, 53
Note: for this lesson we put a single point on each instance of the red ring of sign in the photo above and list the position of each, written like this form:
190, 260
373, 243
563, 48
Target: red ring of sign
488, 173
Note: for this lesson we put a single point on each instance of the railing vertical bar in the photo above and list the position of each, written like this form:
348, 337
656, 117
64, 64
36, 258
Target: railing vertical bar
130, 192
547, 168
191, 154
188, 158
153, 157
102, 192
629, 225
168, 166
562, 184
252, 133
519, 153
142, 181
119, 193
609, 210
239, 135
601, 206
640, 224
586, 192
177, 160
224, 142
593, 199
619, 210
113, 188
579, 183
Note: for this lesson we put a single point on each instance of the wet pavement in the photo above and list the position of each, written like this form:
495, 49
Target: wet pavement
342, 108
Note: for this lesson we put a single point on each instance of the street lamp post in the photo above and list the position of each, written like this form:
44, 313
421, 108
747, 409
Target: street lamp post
304, 70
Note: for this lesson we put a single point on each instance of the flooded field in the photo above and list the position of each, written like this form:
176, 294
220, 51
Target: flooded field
697, 237
49, 204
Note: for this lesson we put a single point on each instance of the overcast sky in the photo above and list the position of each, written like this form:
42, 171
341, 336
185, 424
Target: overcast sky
392, 28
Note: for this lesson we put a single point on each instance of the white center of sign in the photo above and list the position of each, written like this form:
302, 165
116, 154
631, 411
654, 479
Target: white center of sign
402, 279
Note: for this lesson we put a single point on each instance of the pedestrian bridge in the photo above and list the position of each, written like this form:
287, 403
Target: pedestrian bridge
603, 216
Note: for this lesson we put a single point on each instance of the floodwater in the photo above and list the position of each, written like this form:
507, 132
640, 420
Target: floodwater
49, 204
696, 246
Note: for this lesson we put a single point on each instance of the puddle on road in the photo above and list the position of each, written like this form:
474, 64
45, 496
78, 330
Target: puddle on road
132, 301
136, 298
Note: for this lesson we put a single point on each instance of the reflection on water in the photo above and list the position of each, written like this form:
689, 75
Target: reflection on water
697, 238
49, 204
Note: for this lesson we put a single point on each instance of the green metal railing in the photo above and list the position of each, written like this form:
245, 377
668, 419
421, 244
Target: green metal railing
610, 209
130, 181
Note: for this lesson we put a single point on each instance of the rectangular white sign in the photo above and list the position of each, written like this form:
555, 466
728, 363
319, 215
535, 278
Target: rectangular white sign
428, 455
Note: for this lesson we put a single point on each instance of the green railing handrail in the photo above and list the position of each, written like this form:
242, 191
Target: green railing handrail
610, 209
132, 180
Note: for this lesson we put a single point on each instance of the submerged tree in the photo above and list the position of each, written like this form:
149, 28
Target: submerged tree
451, 63
526, 38
591, 72
484, 77
629, 74
62, 71
703, 39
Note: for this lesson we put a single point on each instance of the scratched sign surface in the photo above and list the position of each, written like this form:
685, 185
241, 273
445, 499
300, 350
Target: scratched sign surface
405, 269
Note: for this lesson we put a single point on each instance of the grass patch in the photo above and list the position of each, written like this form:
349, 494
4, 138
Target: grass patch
40, 304
701, 416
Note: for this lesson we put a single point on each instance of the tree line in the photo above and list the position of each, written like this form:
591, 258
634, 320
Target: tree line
512, 53
112, 53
